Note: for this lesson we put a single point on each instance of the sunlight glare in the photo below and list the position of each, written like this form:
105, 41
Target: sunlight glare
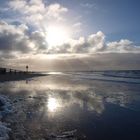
57, 35
52, 104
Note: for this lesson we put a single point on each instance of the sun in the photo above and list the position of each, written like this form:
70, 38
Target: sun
57, 35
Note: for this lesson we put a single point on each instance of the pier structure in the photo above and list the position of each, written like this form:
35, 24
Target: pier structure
11, 71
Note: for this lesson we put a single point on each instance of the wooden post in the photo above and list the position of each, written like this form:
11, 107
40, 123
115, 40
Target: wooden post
27, 68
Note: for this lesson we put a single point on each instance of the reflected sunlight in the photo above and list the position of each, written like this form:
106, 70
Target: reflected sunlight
52, 104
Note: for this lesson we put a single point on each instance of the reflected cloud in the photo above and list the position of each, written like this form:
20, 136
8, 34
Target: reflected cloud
57, 94
49, 104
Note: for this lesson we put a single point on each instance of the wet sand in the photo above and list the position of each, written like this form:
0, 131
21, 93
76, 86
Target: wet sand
17, 76
64, 107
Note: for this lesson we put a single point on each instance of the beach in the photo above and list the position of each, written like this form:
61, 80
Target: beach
69, 70
71, 106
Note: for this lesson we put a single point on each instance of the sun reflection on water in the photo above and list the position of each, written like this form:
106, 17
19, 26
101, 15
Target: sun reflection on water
52, 104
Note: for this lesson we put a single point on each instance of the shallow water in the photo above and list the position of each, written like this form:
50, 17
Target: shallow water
69, 106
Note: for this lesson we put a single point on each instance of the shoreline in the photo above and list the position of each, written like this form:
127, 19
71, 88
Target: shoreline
18, 76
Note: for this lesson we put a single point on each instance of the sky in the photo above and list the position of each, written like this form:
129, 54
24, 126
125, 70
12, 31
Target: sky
70, 34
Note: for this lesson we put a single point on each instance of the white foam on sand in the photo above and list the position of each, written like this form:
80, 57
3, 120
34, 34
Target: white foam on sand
5, 109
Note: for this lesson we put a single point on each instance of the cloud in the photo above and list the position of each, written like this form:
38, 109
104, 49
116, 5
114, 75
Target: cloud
17, 39
77, 27
55, 10
27, 7
36, 12
39, 40
120, 61
88, 5
95, 43
92, 44
122, 46
13, 38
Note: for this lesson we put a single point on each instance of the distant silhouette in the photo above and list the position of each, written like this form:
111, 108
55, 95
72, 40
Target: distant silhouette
2, 70
10, 71
27, 68
27, 81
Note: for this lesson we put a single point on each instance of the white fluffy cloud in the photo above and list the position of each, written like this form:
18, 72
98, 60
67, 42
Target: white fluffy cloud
122, 46
18, 39
36, 12
95, 43
14, 38
37, 6
23, 40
